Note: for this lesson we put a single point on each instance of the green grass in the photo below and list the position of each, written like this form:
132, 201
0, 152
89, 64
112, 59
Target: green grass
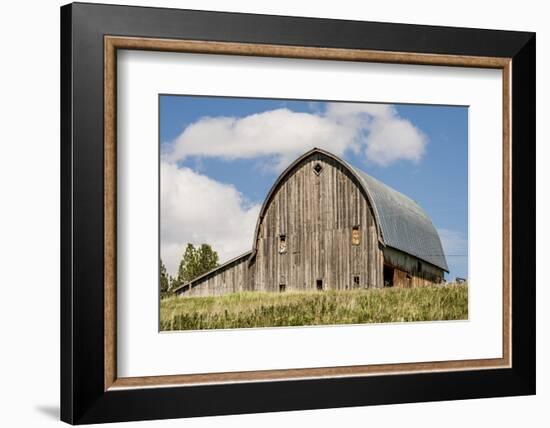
257, 309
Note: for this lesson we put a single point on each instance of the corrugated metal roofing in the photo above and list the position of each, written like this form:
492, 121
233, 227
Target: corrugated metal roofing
403, 223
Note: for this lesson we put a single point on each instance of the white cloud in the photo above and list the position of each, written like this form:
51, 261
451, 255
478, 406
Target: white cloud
345, 110
387, 137
391, 139
375, 129
197, 209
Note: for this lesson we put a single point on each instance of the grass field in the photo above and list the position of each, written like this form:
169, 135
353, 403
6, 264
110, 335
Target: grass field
256, 309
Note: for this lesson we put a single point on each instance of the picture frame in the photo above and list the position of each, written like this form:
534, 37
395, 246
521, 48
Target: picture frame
91, 391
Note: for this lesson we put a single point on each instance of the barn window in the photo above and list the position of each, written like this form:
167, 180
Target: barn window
318, 168
319, 283
355, 236
418, 266
282, 244
356, 281
282, 287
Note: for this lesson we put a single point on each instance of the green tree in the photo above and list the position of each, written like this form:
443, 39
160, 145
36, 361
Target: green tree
208, 258
195, 261
164, 281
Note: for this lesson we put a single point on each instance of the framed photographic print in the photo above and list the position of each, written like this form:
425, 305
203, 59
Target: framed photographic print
265, 213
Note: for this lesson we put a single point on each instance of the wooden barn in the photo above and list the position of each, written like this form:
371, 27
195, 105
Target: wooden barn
327, 225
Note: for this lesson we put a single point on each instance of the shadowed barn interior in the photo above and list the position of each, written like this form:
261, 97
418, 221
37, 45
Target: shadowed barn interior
327, 225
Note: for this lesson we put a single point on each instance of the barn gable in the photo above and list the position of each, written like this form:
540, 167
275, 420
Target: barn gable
290, 170
317, 230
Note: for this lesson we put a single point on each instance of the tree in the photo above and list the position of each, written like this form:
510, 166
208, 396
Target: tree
164, 282
208, 258
195, 262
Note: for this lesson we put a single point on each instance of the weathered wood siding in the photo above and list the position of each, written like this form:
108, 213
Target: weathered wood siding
316, 212
406, 273
227, 279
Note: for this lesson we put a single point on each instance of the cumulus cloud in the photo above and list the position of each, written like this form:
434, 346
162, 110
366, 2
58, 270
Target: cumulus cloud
197, 209
351, 110
281, 133
376, 130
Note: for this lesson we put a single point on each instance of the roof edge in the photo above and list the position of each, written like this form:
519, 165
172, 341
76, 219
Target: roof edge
233, 260
419, 258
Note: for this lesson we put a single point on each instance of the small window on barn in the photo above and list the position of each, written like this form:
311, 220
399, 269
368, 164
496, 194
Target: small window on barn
418, 266
317, 168
282, 244
319, 283
282, 287
355, 235
356, 281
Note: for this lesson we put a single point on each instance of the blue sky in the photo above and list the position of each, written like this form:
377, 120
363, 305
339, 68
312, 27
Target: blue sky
230, 150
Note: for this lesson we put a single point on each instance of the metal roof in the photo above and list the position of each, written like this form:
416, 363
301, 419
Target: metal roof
403, 223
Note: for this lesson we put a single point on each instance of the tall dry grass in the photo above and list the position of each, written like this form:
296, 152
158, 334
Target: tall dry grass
257, 309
